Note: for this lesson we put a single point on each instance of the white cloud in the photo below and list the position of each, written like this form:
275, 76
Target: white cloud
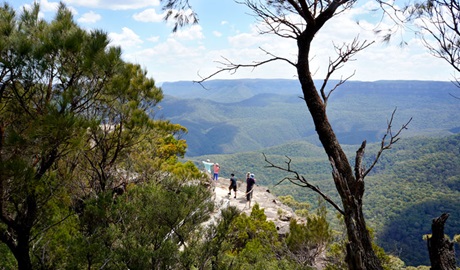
154, 39
193, 32
172, 60
46, 6
89, 17
127, 39
114, 4
181, 57
377, 62
149, 15
172, 48
243, 40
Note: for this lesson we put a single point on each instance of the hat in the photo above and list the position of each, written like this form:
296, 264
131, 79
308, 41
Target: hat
208, 160
252, 175
217, 163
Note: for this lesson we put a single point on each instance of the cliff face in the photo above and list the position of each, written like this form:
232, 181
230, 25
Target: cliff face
275, 211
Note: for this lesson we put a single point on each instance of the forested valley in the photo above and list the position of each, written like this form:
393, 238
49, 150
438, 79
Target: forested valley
237, 122
94, 174
412, 184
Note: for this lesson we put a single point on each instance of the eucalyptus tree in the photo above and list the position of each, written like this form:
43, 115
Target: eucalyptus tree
75, 122
439, 22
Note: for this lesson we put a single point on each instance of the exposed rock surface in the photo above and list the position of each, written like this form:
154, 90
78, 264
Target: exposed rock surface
275, 211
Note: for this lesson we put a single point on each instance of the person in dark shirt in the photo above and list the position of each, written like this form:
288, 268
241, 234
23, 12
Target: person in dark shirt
250, 182
233, 185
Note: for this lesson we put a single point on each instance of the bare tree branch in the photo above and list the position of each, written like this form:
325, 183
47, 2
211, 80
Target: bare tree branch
388, 140
277, 24
440, 20
300, 180
229, 66
344, 54
308, 15
299, 10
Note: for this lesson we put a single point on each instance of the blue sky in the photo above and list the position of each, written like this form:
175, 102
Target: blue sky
227, 30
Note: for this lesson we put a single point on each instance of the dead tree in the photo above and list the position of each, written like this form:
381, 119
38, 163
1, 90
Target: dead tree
440, 248
311, 16
352, 203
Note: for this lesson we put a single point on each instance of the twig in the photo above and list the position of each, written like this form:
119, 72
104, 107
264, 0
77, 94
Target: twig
384, 144
344, 54
300, 180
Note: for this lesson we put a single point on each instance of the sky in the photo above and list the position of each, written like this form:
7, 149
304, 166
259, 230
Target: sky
227, 30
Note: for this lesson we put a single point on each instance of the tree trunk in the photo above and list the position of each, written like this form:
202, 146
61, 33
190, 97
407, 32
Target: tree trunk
360, 255
21, 251
441, 249
18, 239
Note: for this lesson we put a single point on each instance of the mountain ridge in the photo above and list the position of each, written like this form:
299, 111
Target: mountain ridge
220, 121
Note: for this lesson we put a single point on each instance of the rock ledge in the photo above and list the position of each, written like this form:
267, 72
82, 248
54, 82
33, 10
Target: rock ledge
275, 211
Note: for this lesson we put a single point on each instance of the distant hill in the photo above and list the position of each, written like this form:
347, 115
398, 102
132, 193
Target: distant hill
231, 116
228, 91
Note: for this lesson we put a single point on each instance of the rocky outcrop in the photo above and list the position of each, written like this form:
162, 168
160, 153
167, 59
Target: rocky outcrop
275, 211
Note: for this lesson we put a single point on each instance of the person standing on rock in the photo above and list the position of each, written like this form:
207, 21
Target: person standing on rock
233, 185
216, 169
207, 166
250, 182
207, 169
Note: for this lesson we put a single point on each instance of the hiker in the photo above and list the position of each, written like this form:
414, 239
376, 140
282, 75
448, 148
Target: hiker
216, 171
250, 182
233, 185
207, 166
